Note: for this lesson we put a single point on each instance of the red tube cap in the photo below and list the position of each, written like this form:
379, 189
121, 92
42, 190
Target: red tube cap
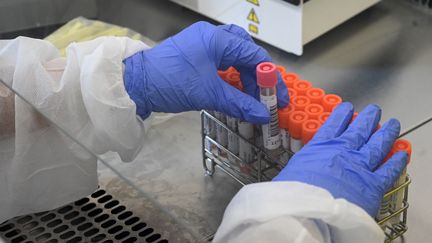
302, 86
400, 145
284, 116
309, 128
233, 78
300, 102
316, 95
296, 120
323, 117
281, 69
223, 73
330, 101
313, 111
292, 93
266, 75
290, 79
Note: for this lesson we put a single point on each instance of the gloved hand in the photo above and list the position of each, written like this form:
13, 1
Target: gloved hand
180, 74
346, 158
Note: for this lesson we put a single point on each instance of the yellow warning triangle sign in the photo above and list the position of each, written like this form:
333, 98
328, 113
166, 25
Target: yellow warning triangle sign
254, 2
252, 16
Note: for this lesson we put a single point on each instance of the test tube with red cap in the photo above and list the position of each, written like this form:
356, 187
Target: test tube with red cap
390, 204
315, 95
330, 101
284, 126
290, 79
309, 128
296, 120
398, 197
300, 102
313, 111
302, 86
267, 79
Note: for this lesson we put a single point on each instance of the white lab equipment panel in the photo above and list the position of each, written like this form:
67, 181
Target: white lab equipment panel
281, 23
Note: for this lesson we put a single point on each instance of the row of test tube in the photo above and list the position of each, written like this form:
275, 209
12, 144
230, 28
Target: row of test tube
290, 128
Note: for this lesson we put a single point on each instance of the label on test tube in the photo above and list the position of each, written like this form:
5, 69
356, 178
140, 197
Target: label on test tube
233, 140
246, 130
270, 131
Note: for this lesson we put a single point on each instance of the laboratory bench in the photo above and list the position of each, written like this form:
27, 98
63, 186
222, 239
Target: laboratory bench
383, 56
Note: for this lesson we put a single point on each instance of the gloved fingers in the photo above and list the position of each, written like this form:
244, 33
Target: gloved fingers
336, 124
360, 130
390, 171
235, 103
381, 142
237, 30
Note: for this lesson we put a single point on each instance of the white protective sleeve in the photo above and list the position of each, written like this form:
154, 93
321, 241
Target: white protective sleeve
294, 212
83, 94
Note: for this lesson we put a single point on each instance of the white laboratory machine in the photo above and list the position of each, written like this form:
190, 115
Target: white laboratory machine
286, 24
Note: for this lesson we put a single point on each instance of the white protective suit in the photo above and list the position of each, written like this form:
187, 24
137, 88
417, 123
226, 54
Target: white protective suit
85, 96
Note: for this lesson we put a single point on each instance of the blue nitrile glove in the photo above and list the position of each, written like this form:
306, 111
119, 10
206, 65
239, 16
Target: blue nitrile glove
180, 74
345, 158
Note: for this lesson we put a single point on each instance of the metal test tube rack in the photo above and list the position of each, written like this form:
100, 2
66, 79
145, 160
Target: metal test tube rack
264, 167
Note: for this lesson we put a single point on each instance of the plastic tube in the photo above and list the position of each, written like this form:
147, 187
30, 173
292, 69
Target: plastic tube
309, 128
330, 101
221, 133
300, 102
290, 79
296, 120
397, 199
390, 204
267, 79
233, 140
313, 111
246, 130
302, 86
209, 129
284, 126
316, 95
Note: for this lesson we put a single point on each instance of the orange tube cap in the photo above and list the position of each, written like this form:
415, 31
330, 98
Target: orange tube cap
283, 115
330, 101
309, 128
302, 86
300, 102
290, 79
316, 95
296, 120
313, 111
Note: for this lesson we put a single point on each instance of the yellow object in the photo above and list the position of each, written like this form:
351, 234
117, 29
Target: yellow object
82, 29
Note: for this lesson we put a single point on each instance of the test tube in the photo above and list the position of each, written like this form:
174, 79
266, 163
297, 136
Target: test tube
296, 120
232, 122
292, 93
209, 129
246, 152
302, 86
397, 199
309, 128
316, 95
267, 79
313, 111
330, 101
221, 132
289, 79
300, 102
394, 202
284, 125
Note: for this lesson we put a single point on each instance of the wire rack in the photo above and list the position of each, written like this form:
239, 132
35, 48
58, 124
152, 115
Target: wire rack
265, 166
